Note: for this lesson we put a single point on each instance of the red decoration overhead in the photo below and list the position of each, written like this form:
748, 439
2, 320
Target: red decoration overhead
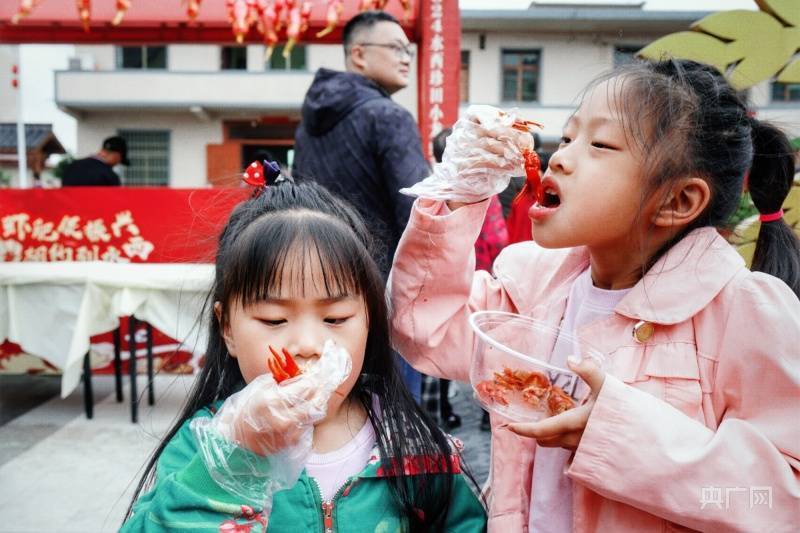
25, 8
192, 9
85, 13
332, 16
209, 21
122, 8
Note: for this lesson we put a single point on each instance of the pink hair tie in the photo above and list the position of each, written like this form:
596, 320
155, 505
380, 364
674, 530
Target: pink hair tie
771, 217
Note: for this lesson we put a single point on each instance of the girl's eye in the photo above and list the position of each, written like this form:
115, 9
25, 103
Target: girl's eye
336, 321
276, 322
603, 146
565, 140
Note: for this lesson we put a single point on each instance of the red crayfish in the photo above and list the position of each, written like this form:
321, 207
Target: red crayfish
533, 388
282, 367
533, 180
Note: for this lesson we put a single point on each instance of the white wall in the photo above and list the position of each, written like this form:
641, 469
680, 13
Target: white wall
193, 57
8, 95
568, 64
188, 139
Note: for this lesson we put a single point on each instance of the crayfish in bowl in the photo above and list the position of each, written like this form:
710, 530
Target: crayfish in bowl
528, 389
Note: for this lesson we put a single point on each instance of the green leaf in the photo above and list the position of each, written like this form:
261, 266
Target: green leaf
791, 74
689, 45
739, 24
786, 10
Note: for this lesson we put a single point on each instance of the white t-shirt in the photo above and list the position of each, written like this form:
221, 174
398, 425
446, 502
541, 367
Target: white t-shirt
551, 501
331, 470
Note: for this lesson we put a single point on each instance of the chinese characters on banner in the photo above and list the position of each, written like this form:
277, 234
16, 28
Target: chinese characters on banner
106, 224
70, 238
439, 68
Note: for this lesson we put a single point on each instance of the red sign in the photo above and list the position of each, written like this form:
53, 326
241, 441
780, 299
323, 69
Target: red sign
439, 68
153, 225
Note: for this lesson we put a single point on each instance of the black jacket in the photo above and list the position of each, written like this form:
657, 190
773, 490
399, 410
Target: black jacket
89, 172
363, 146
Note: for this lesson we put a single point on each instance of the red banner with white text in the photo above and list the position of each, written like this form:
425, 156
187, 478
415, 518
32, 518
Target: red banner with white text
439, 68
155, 225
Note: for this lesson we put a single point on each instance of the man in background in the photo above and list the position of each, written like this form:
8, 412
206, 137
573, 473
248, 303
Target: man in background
98, 170
360, 144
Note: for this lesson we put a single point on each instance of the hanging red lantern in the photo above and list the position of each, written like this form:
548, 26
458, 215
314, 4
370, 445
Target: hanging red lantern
85, 13
24, 9
332, 17
122, 8
239, 17
267, 21
193, 9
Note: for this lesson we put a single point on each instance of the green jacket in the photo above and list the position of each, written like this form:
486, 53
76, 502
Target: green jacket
186, 498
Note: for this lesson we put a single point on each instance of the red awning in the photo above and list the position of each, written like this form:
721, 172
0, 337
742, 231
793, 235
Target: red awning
159, 21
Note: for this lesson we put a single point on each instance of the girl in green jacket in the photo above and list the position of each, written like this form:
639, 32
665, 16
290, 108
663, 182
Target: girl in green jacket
340, 447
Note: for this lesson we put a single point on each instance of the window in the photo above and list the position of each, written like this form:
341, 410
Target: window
625, 54
148, 151
142, 57
785, 92
464, 78
296, 61
521, 75
233, 58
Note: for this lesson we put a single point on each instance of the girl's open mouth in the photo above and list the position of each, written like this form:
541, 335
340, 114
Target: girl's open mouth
551, 200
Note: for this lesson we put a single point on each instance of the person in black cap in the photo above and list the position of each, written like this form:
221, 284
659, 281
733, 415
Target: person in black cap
98, 170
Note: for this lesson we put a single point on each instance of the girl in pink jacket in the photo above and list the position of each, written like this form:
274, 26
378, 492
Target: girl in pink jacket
694, 423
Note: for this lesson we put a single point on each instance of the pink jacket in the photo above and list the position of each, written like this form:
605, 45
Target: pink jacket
695, 427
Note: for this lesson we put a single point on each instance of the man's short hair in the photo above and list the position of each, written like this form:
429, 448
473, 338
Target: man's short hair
363, 21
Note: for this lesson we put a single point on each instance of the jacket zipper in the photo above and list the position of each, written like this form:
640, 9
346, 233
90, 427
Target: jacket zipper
327, 506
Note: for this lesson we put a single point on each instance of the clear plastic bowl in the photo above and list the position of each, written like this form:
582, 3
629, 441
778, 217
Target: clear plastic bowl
510, 374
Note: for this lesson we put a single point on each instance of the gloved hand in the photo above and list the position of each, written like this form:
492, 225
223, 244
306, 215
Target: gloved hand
274, 422
481, 155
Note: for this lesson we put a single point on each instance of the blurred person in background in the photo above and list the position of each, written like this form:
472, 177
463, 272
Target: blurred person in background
98, 170
357, 142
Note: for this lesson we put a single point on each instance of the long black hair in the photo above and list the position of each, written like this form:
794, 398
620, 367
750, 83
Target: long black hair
689, 121
287, 219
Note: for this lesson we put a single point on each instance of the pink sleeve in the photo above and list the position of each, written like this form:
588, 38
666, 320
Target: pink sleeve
434, 288
743, 476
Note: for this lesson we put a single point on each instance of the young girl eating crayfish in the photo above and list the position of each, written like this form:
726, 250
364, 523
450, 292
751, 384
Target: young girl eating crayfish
696, 409
299, 420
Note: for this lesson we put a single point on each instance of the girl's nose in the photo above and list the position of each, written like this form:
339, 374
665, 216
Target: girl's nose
306, 343
561, 160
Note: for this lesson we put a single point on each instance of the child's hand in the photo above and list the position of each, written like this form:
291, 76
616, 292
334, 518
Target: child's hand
265, 417
481, 155
565, 430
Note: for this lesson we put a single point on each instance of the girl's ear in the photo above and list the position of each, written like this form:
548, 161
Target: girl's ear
225, 328
686, 201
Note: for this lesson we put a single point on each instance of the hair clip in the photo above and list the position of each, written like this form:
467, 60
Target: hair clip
261, 175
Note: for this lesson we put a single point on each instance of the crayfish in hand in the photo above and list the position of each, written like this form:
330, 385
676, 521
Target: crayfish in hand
282, 367
533, 180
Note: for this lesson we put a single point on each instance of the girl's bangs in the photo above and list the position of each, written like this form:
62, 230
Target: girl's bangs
291, 254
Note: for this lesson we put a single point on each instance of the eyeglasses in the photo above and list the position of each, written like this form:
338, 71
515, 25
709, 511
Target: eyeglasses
398, 49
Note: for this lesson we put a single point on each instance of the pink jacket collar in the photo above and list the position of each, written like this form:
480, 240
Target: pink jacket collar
680, 284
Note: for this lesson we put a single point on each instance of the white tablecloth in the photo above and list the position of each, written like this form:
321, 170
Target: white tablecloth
52, 309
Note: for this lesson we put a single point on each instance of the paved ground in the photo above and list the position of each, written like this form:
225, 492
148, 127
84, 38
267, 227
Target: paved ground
60, 471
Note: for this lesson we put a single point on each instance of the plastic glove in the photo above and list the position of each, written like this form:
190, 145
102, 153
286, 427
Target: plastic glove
260, 439
481, 155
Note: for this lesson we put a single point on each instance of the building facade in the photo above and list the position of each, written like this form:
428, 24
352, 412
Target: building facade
197, 114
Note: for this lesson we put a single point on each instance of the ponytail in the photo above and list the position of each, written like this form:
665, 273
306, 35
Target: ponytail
777, 249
